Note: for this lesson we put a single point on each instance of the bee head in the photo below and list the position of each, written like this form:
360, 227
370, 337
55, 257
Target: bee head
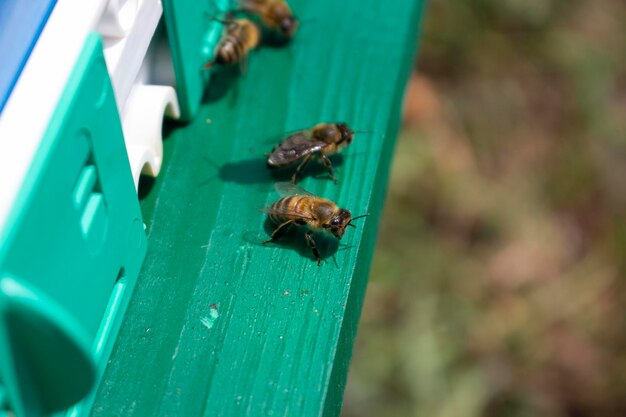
284, 19
288, 26
346, 134
338, 223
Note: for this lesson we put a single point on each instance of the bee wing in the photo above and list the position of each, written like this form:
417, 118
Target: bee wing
293, 148
272, 141
286, 189
285, 212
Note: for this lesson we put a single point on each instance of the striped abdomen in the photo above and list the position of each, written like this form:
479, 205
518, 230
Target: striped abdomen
240, 38
230, 50
289, 208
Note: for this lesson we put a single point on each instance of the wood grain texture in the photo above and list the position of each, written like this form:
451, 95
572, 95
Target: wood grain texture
220, 325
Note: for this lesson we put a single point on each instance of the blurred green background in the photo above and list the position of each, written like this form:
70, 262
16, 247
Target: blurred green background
498, 284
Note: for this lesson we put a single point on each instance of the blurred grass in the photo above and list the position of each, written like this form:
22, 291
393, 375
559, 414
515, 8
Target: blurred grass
498, 283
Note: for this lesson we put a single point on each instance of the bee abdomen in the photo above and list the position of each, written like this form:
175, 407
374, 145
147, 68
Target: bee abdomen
230, 50
291, 150
281, 209
273, 159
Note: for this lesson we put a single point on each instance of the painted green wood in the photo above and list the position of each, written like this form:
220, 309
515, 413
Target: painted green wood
220, 325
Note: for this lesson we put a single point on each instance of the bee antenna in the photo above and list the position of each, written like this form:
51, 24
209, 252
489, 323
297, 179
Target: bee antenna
358, 217
225, 19
208, 65
362, 131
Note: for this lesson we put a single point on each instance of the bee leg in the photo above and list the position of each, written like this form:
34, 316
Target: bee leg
209, 65
279, 231
311, 243
226, 20
329, 166
294, 177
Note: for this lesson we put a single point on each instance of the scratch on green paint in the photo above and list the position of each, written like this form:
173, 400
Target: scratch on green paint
209, 321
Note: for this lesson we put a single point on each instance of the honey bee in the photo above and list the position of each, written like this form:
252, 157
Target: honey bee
240, 36
302, 208
322, 140
275, 14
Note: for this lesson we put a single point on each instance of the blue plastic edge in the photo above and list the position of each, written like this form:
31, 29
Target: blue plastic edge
21, 23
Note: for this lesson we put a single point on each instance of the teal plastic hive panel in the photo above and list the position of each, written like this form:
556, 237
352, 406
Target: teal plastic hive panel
72, 250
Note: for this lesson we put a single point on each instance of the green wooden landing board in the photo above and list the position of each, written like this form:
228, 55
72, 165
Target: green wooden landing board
220, 325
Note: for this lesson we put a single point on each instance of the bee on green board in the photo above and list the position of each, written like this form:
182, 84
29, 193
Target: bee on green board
318, 142
240, 37
301, 208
